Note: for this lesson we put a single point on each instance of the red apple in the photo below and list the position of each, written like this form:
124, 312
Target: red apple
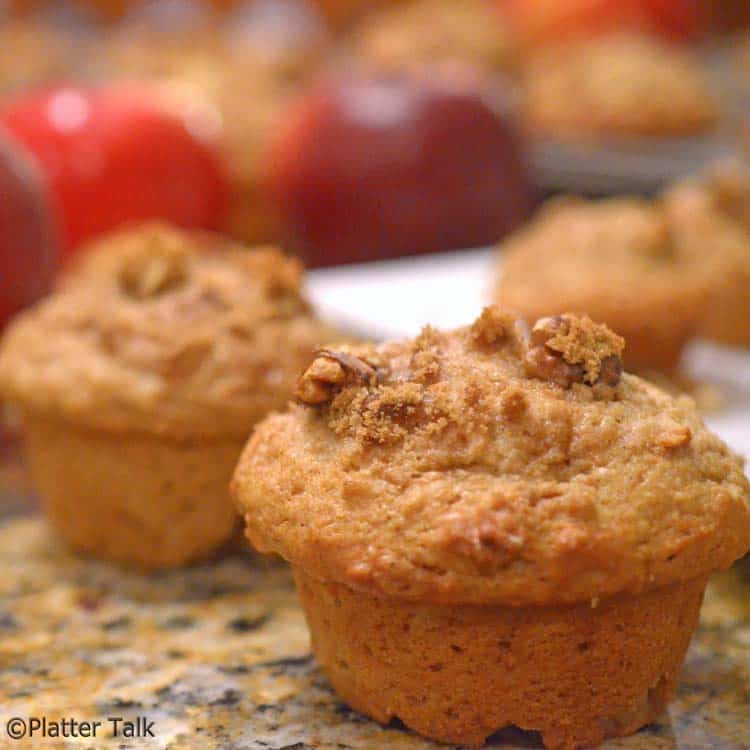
373, 166
115, 155
27, 248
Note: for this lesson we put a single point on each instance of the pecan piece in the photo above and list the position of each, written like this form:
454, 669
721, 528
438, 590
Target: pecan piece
611, 370
571, 349
330, 372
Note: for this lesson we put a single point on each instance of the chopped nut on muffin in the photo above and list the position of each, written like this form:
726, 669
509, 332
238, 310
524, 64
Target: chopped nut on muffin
487, 530
140, 379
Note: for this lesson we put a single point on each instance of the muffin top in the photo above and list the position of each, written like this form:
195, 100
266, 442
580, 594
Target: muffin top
617, 85
430, 31
477, 466
174, 333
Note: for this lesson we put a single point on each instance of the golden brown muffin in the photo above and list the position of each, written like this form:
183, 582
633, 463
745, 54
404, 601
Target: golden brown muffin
617, 86
619, 260
487, 531
429, 31
140, 379
711, 214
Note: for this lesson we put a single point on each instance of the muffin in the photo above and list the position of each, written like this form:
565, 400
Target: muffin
711, 215
487, 531
617, 86
429, 31
617, 260
139, 381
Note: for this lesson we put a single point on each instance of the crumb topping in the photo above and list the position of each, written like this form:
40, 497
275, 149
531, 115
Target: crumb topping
382, 394
493, 326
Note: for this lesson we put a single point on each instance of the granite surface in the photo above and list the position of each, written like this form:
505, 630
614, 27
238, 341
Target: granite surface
217, 657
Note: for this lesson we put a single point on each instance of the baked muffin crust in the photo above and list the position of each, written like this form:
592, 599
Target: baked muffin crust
452, 469
166, 332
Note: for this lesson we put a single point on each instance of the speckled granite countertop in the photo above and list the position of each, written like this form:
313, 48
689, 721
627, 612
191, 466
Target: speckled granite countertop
217, 657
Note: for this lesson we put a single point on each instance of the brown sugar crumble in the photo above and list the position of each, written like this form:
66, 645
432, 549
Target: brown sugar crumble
374, 403
493, 326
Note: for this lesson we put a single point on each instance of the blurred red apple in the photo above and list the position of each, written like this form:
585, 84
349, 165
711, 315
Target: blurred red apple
27, 249
540, 22
115, 155
373, 166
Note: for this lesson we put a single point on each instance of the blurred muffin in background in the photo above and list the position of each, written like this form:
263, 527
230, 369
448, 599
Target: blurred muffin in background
33, 54
741, 55
237, 80
140, 379
341, 14
711, 214
617, 86
251, 113
429, 31
152, 44
616, 260
338, 12
273, 49
287, 37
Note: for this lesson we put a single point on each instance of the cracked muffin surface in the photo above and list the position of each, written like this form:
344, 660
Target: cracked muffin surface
167, 332
623, 261
481, 467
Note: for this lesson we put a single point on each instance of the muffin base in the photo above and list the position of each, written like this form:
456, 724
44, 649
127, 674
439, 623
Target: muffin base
137, 500
457, 674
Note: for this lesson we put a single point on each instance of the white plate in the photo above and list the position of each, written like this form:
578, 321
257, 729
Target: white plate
394, 299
